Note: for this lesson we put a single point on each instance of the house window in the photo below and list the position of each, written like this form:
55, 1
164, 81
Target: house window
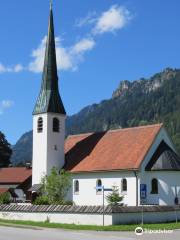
99, 186
56, 125
124, 185
76, 186
40, 125
154, 186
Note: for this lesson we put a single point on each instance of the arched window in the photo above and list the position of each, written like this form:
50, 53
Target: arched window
154, 186
76, 186
124, 185
40, 125
99, 186
55, 125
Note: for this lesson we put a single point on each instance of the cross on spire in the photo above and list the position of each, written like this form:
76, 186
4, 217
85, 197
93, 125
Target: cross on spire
51, 3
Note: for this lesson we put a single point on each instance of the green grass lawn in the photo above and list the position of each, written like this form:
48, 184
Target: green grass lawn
130, 227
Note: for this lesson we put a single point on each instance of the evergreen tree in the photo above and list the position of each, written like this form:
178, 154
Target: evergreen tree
5, 151
114, 197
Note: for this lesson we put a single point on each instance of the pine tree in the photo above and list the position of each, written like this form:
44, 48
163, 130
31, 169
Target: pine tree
114, 197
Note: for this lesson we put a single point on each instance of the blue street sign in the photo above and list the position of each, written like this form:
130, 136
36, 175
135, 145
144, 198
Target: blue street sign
108, 189
105, 189
99, 188
143, 191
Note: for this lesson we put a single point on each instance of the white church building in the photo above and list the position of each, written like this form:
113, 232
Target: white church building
141, 161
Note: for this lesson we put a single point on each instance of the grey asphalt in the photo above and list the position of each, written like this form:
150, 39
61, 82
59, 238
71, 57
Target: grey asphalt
11, 233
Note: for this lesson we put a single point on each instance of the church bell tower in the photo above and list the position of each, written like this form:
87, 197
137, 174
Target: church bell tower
48, 116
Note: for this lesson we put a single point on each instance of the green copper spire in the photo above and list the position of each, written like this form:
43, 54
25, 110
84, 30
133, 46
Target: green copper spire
49, 99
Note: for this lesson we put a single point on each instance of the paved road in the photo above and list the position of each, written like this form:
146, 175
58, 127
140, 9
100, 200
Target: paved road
10, 233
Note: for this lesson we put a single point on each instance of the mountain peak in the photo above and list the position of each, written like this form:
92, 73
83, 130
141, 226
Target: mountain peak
123, 87
145, 85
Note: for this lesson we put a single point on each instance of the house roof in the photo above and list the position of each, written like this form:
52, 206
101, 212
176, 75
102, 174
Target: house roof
121, 149
14, 175
3, 190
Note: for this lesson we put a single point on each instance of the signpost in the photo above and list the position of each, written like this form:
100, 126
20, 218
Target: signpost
143, 196
103, 189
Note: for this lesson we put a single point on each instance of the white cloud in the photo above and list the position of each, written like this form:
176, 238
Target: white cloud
2, 68
89, 19
68, 58
5, 104
83, 46
113, 19
64, 58
17, 68
38, 55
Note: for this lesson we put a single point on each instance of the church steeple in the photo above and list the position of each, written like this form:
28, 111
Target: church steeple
49, 100
49, 116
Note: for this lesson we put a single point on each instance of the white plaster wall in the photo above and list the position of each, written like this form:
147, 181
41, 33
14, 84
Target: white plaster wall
55, 157
39, 165
167, 180
93, 219
87, 183
44, 154
148, 217
69, 218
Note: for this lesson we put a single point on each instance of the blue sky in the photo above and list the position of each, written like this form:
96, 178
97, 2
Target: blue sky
99, 43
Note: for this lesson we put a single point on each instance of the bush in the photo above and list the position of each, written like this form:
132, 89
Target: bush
5, 198
55, 186
42, 200
54, 189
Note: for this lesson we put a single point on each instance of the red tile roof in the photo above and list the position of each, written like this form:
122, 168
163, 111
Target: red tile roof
112, 150
14, 175
3, 190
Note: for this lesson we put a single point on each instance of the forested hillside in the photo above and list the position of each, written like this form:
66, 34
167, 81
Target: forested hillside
140, 102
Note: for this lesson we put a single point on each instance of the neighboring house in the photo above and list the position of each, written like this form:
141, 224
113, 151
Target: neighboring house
16, 180
4, 190
126, 158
